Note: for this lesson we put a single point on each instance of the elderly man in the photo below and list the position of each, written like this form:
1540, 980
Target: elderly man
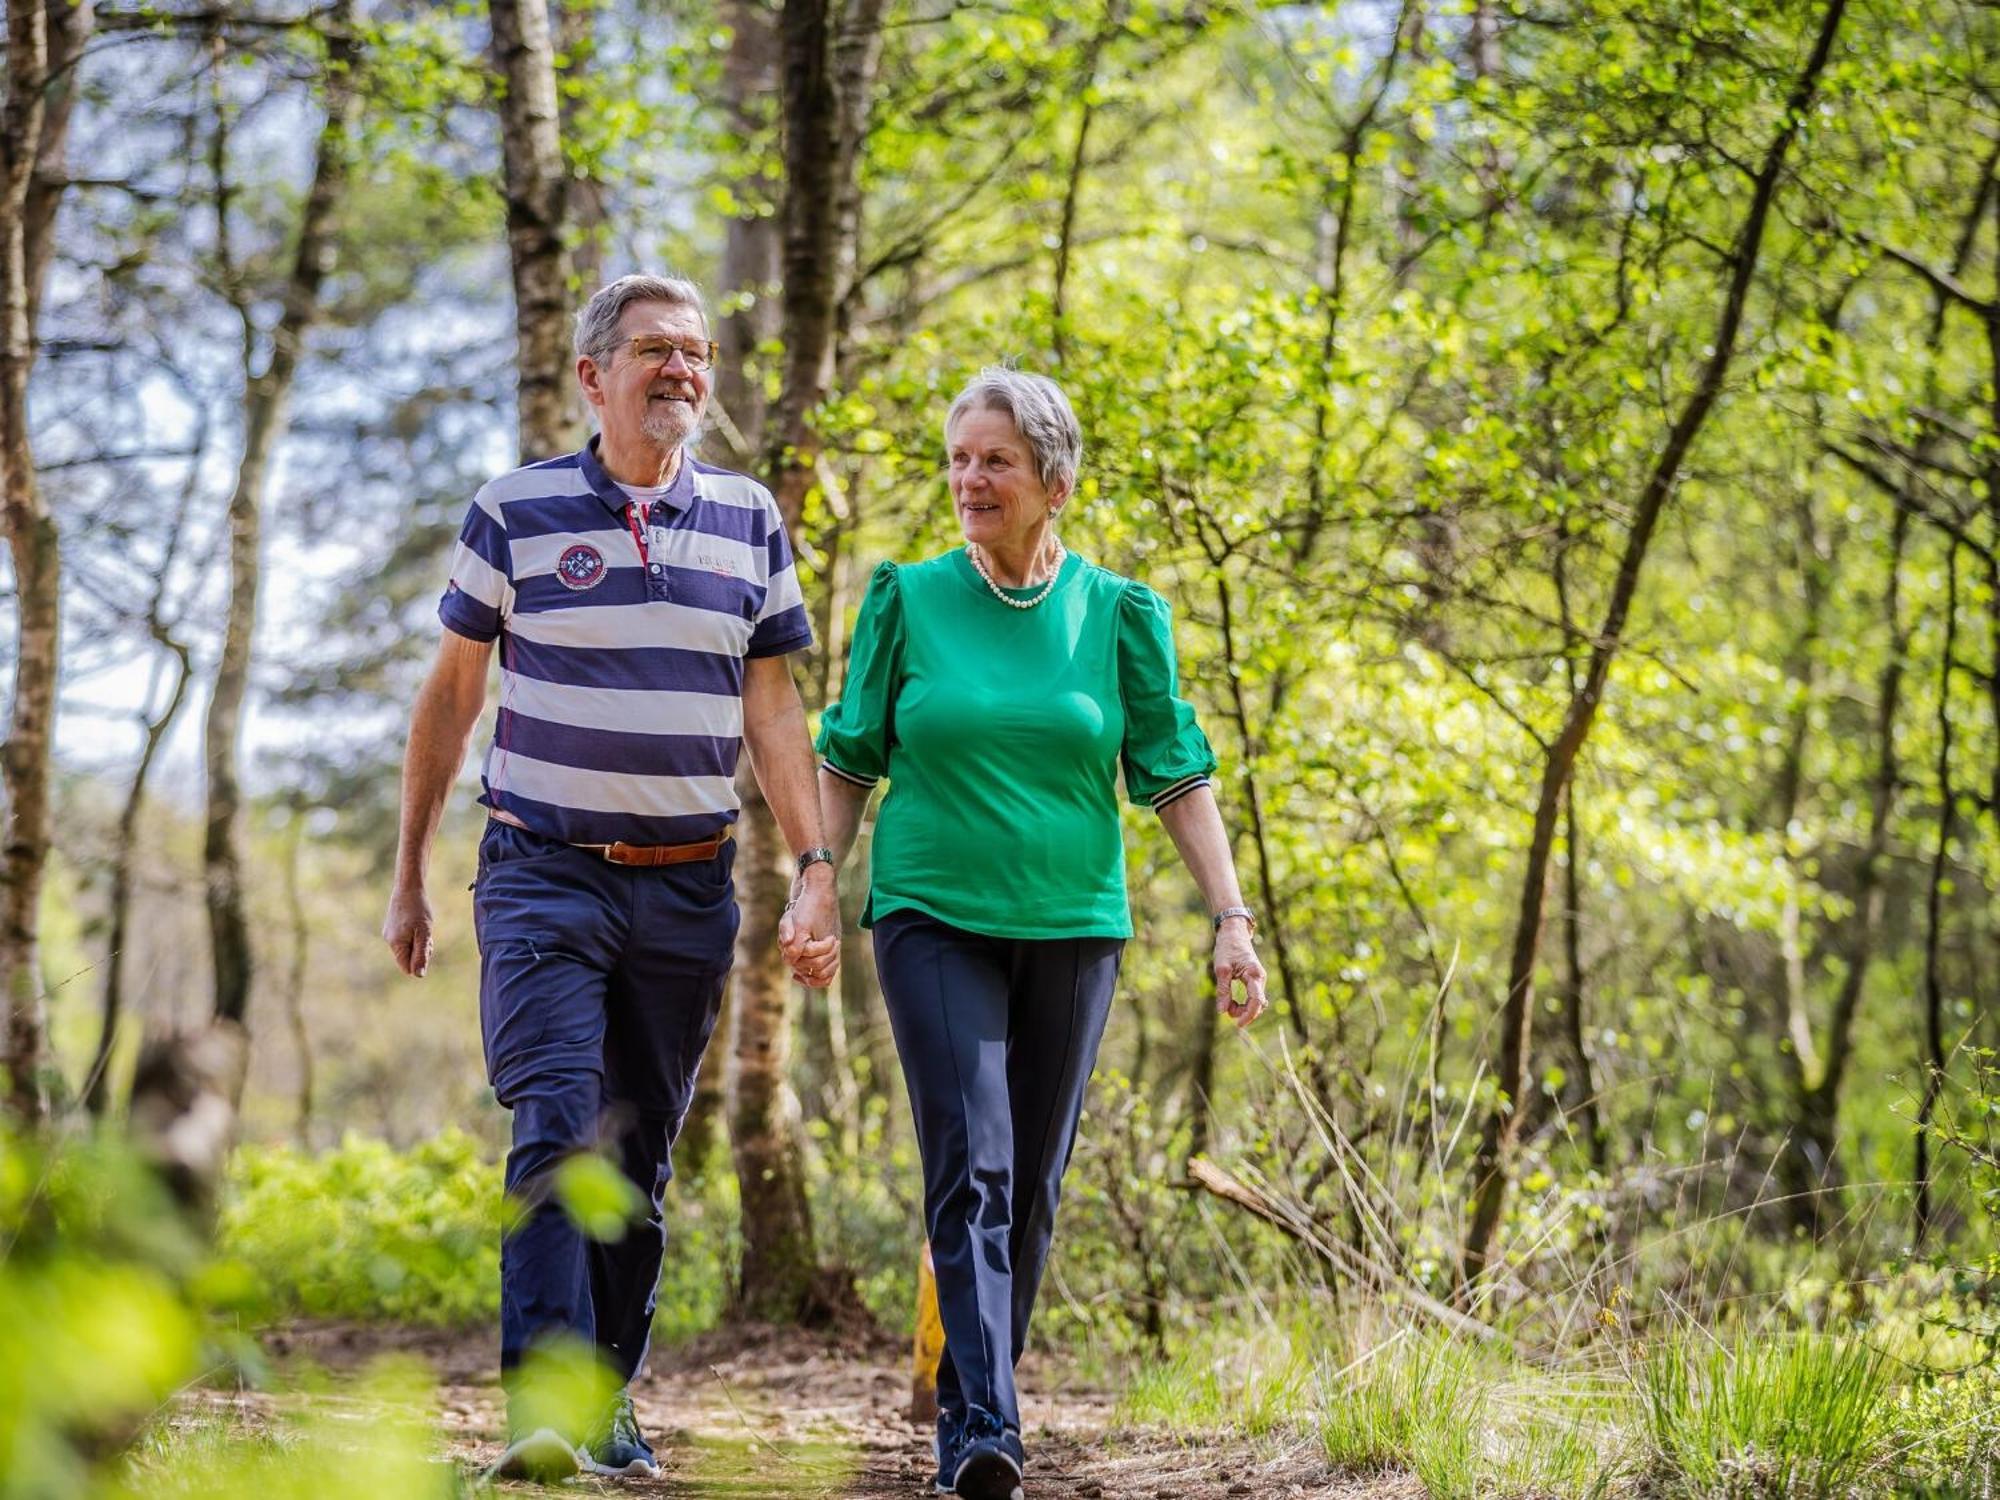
644, 605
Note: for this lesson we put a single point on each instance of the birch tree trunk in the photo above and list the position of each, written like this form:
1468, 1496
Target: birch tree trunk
266, 414
1491, 1164
43, 44
750, 270
551, 421
826, 89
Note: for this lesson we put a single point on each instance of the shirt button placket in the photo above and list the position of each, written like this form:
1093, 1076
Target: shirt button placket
656, 572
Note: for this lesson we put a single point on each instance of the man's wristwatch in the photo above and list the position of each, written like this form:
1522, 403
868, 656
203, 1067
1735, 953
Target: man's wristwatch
819, 856
1236, 911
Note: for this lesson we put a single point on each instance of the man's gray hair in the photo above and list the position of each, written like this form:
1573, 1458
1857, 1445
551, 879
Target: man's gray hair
597, 324
1041, 413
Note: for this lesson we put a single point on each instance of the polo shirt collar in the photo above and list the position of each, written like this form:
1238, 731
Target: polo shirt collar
679, 493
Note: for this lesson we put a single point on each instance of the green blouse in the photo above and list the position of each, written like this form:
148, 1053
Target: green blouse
1002, 732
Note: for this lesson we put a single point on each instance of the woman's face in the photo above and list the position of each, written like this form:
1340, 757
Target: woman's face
995, 487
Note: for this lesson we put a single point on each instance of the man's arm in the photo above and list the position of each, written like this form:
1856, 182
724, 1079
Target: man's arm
448, 706
781, 756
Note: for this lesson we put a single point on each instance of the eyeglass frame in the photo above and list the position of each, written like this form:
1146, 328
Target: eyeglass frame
609, 351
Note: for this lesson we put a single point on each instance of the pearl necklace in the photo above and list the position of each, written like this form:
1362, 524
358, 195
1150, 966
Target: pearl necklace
978, 560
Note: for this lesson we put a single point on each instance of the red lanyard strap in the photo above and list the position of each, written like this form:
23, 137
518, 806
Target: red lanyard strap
638, 533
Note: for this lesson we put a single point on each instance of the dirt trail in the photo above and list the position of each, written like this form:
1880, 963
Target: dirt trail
778, 1415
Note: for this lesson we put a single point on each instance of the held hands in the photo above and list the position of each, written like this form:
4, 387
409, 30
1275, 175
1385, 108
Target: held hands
407, 930
809, 931
1236, 963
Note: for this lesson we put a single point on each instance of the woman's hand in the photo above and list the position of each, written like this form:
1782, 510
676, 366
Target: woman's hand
1236, 962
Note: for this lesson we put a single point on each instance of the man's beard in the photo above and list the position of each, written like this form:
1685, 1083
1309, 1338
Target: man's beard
670, 424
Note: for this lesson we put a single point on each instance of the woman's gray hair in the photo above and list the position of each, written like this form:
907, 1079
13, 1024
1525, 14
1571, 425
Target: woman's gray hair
1041, 413
597, 324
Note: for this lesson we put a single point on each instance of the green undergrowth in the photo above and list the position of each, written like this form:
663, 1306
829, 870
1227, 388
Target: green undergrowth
1695, 1414
369, 1233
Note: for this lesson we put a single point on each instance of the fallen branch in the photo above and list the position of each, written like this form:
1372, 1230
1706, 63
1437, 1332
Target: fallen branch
1343, 1257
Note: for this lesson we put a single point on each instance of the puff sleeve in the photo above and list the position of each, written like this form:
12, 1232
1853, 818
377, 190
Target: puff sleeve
856, 732
1166, 755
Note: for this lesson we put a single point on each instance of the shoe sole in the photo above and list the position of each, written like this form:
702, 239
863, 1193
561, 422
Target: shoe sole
638, 1468
542, 1456
987, 1476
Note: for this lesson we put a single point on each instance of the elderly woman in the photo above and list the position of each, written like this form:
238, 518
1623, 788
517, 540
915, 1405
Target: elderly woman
1000, 689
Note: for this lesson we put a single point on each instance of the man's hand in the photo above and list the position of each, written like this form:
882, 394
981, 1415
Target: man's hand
1236, 962
809, 931
407, 930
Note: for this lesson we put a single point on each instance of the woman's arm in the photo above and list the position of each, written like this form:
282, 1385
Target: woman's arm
1195, 825
841, 803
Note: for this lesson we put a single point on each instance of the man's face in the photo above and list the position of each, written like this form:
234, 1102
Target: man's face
659, 404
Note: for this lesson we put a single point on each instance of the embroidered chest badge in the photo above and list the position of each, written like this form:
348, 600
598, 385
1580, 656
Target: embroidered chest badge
716, 563
581, 567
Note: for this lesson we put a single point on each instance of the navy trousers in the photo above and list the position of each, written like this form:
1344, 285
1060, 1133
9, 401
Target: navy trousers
598, 988
997, 1038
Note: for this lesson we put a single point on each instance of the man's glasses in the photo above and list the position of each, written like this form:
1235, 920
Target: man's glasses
655, 351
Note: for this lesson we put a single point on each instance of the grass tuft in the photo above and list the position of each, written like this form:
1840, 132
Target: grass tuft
1800, 1417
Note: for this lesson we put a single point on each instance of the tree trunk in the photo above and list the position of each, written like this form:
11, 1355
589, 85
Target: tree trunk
536, 187
69, 27
1584, 1094
587, 203
824, 96
265, 416
295, 981
752, 245
1934, 1053
1809, 1172
43, 42
780, 1261
1491, 1164
96, 1094
750, 256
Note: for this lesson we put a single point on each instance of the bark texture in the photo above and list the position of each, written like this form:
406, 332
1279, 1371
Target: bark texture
825, 93
551, 421
43, 42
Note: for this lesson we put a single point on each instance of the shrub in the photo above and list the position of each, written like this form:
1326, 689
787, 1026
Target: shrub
364, 1231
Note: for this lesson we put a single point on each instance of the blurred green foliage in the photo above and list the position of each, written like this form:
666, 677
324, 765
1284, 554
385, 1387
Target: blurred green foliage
364, 1231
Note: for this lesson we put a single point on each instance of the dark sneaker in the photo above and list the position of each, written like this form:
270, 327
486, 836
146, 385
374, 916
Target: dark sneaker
945, 1446
619, 1451
543, 1455
989, 1460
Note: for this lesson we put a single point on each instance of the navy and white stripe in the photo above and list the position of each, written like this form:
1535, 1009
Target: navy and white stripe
621, 681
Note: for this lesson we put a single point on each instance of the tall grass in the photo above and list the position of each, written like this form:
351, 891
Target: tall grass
1798, 1416
1471, 1422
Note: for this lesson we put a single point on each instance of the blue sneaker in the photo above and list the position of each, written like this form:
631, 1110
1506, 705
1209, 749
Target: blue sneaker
944, 1446
618, 1451
989, 1459
543, 1456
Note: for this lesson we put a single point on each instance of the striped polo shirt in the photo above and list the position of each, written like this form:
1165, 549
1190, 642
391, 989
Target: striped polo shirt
621, 676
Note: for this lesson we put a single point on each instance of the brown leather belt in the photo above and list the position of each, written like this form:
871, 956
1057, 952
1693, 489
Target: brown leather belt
646, 856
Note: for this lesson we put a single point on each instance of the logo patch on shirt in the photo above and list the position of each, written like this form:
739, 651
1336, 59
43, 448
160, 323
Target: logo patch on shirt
581, 567
716, 563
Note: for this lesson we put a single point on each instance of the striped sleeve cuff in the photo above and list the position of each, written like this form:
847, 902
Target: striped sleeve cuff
849, 775
1179, 790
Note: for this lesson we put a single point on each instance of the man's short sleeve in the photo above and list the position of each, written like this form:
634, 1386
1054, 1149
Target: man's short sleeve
480, 596
782, 624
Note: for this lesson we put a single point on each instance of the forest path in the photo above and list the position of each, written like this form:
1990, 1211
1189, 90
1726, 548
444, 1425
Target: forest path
780, 1415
